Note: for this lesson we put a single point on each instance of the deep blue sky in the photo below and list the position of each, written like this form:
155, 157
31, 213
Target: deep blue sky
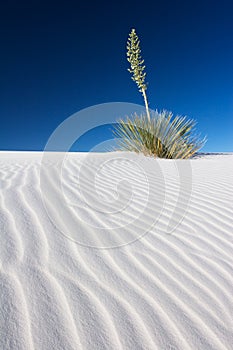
60, 57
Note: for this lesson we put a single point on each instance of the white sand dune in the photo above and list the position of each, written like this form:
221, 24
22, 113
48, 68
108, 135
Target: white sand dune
115, 251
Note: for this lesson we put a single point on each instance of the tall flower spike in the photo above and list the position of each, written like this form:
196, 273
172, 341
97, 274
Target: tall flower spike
136, 66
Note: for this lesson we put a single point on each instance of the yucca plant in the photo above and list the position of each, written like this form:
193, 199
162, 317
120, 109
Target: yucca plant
157, 134
162, 136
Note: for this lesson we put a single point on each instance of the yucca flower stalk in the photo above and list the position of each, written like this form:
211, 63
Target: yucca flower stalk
136, 66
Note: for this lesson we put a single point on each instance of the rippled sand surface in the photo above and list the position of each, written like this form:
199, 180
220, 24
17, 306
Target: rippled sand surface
115, 251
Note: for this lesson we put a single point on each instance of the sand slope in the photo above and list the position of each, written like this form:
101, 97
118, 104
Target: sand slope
124, 252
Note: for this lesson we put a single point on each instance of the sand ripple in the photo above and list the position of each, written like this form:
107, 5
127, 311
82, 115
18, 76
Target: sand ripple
87, 261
